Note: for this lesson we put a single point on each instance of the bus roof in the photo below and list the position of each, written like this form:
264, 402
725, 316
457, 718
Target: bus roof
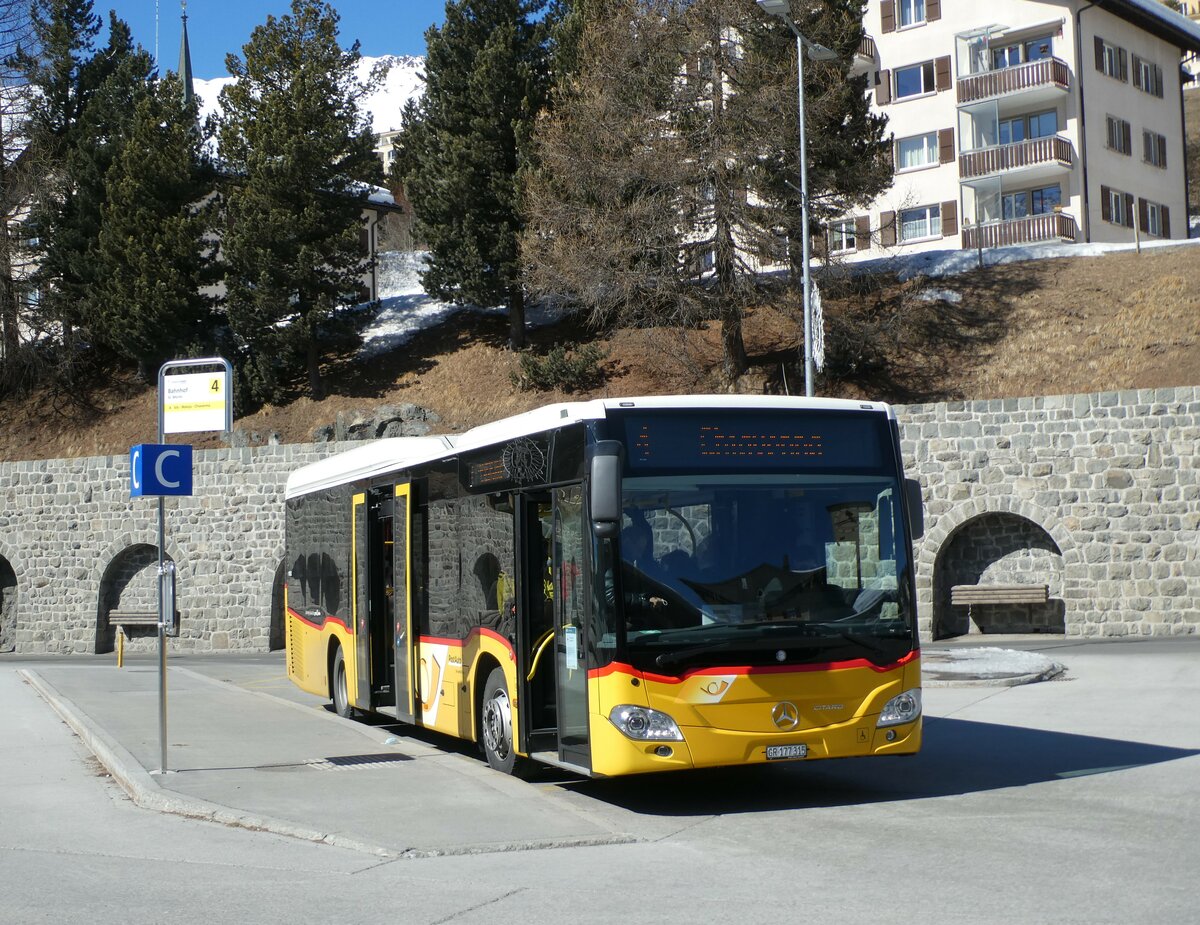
381, 456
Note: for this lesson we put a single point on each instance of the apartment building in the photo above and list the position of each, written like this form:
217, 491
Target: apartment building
1021, 121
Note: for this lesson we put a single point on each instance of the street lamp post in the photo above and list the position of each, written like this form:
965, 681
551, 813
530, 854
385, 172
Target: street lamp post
782, 9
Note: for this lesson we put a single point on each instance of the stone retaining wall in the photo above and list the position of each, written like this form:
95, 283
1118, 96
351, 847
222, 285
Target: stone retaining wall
1097, 496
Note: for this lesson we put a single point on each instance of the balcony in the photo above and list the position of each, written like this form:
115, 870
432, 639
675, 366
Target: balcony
1032, 229
1046, 74
1051, 151
866, 57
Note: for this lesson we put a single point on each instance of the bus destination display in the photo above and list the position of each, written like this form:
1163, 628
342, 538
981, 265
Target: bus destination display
760, 440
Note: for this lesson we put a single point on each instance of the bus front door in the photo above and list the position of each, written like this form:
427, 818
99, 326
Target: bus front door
552, 630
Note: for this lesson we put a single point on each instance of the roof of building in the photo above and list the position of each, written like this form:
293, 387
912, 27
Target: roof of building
1157, 19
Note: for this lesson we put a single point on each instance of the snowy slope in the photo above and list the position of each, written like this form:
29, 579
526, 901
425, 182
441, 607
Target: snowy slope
405, 80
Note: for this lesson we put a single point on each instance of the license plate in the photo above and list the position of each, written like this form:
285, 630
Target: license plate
775, 752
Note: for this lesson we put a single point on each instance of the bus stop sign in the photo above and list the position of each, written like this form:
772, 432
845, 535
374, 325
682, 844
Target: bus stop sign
160, 469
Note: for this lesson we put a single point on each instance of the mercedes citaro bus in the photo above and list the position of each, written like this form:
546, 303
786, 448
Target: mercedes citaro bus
620, 586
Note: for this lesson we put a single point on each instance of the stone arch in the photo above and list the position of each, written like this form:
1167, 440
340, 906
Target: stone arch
129, 584
8, 606
276, 638
1049, 535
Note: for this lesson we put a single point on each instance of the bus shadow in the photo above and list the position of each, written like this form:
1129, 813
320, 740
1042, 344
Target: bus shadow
957, 757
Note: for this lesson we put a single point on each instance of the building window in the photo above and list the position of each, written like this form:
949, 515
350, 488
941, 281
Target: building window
1031, 202
842, 237
916, 80
1117, 207
1118, 135
912, 12
1147, 76
1045, 200
1154, 219
1111, 59
1019, 128
1021, 53
923, 222
1154, 149
918, 151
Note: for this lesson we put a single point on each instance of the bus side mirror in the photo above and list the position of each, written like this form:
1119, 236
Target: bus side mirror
604, 470
916, 508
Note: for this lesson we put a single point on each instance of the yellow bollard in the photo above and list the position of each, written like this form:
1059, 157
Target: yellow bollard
120, 647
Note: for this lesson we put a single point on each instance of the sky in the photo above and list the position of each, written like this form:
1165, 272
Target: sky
218, 27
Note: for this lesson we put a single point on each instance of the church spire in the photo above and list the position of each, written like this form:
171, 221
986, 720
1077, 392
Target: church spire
185, 59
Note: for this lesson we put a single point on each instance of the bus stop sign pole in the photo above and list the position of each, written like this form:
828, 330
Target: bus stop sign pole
188, 402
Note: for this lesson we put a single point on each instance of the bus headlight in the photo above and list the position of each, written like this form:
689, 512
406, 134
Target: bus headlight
644, 724
903, 708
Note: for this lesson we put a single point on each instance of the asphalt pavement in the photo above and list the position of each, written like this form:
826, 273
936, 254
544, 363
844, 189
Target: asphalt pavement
245, 748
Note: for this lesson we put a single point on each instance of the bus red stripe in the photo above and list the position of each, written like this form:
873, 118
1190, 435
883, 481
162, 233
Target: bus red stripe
619, 667
329, 618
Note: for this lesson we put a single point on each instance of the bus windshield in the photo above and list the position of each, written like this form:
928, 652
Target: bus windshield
763, 569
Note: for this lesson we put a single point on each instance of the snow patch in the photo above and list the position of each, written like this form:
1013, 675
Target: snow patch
405, 309
940, 295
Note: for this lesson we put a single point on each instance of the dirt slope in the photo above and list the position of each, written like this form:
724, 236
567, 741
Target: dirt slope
1043, 327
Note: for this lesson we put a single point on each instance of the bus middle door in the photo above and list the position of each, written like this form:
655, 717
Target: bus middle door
570, 583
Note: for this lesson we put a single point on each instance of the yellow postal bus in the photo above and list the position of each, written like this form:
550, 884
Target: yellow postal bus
619, 586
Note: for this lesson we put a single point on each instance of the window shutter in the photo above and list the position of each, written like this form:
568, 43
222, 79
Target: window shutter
883, 89
1099, 53
820, 243
1126, 137
1158, 81
1166, 222
887, 15
1137, 73
949, 218
1143, 216
1121, 53
1146, 152
946, 146
1128, 209
942, 70
1105, 204
1162, 151
862, 232
887, 228
933, 10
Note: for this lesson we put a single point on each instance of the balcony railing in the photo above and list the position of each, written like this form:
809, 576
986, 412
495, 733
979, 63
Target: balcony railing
1053, 226
1029, 153
866, 48
1046, 72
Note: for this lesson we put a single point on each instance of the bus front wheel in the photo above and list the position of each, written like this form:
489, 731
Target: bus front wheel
497, 728
341, 695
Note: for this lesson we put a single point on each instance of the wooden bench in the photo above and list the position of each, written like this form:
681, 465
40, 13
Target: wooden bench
972, 596
967, 595
132, 618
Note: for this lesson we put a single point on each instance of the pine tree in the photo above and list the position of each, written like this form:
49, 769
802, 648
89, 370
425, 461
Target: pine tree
486, 79
667, 166
75, 135
153, 256
16, 110
298, 148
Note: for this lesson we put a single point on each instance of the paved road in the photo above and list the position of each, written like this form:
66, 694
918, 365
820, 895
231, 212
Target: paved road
1073, 800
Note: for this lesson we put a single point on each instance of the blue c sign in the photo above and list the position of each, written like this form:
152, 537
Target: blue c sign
160, 469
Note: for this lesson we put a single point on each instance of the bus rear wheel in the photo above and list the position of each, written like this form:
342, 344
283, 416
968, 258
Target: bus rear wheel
341, 694
496, 727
